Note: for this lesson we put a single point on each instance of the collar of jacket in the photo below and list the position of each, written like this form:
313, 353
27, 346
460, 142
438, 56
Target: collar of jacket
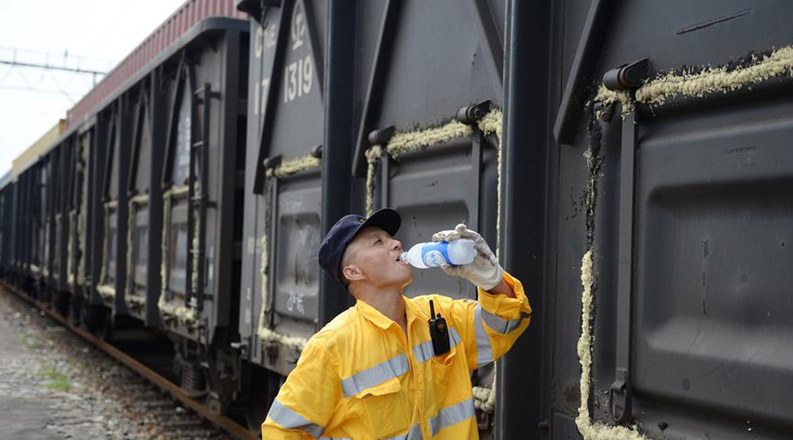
377, 318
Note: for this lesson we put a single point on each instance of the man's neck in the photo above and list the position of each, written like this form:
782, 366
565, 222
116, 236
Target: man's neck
388, 301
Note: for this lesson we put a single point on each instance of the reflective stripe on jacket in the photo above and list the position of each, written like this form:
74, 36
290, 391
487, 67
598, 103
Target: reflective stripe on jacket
361, 377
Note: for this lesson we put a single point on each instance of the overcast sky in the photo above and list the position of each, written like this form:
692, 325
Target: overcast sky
96, 34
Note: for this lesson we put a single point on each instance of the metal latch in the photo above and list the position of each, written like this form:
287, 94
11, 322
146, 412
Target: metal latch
619, 398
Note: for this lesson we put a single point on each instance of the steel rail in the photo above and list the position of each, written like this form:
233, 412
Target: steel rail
225, 423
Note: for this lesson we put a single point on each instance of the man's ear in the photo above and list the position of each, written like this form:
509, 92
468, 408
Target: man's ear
352, 272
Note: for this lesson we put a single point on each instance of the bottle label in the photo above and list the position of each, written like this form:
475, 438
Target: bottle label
435, 254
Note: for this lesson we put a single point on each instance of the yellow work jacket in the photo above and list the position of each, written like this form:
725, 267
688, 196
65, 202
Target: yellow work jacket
361, 377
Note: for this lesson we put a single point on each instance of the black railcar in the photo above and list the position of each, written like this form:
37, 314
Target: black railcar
630, 161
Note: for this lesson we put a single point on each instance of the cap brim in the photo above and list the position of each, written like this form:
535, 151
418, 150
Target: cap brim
386, 219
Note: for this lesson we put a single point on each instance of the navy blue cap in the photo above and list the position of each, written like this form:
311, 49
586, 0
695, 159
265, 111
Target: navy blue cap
335, 242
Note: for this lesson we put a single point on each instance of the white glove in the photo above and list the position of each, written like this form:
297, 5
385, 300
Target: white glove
484, 271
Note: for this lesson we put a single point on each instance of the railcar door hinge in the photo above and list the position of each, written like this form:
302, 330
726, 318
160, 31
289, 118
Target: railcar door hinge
381, 136
629, 76
471, 114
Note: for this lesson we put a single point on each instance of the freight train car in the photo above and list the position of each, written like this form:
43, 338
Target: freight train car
630, 161
202, 179
128, 215
419, 131
280, 294
674, 212
589, 195
168, 256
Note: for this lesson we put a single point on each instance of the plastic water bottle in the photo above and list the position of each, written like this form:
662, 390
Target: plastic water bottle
436, 254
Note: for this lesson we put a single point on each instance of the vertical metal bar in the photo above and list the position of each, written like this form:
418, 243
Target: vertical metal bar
476, 180
620, 392
519, 414
101, 145
191, 179
272, 234
225, 249
338, 138
60, 283
201, 255
475, 219
123, 152
157, 114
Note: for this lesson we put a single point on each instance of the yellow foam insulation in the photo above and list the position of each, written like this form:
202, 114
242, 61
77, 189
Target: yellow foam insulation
592, 430
404, 142
607, 96
81, 236
134, 203
589, 429
400, 143
717, 79
140, 199
81, 246
106, 291
180, 312
294, 166
195, 242
70, 249
137, 299
264, 333
372, 156
168, 196
34, 268
56, 250
711, 80
490, 124
194, 259
264, 269
295, 342
106, 244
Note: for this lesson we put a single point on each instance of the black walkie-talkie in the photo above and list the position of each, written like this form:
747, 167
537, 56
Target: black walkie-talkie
439, 332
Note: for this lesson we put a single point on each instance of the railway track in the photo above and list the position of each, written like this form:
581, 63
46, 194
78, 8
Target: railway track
156, 394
